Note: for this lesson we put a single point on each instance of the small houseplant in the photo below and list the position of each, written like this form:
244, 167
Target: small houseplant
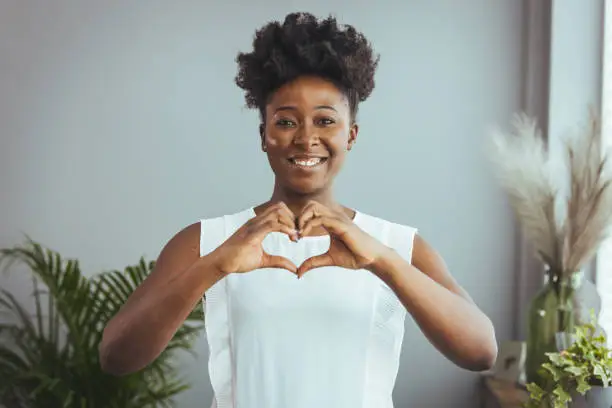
50, 358
575, 371
564, 205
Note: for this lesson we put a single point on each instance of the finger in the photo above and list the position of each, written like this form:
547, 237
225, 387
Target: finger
285, 208
310, 211
332, 224
279, 212
272, 225
286, 216
275, 261
257, 219
274, 207
314, 262
266, 213
280, 218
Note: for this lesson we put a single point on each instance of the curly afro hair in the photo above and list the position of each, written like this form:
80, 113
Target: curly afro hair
305, 45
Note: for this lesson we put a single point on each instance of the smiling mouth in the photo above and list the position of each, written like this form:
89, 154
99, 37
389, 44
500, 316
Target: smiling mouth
307, 163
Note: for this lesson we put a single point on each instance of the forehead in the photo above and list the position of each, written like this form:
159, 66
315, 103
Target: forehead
309, 92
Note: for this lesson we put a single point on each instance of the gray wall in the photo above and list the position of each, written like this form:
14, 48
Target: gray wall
120, 124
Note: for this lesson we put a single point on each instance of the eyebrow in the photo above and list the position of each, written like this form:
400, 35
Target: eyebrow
290, 107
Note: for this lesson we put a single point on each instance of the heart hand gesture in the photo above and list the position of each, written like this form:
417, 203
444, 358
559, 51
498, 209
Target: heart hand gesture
350, 247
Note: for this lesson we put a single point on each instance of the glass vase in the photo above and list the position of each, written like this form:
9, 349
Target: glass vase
554, 310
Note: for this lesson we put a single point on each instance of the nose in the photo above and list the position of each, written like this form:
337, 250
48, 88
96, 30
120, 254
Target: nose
306, 136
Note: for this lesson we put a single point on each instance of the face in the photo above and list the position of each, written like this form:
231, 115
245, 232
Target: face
307, 133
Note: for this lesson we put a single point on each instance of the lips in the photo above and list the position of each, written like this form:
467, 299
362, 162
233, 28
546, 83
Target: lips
307, 162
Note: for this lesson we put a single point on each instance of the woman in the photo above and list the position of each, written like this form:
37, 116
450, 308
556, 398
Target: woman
332, 336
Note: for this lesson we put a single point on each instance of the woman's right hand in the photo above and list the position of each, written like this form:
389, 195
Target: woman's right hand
243, 252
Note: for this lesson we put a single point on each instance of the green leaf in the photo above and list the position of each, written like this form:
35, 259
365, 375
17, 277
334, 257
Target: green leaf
555, 372
563, 396
51, 356
600, 372
558, 359
582, 384
574, 370
535, 391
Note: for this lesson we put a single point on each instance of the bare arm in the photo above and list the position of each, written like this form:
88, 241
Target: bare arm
159, 306
443, 310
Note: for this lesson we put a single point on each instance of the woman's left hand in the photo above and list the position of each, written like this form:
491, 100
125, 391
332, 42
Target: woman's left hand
350, 247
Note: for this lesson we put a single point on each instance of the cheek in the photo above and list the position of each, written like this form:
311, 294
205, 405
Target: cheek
339, 157
339, 145
276, 139
271, 141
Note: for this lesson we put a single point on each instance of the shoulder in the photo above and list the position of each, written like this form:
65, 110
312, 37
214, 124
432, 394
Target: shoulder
183, 246
186, 243
421, 254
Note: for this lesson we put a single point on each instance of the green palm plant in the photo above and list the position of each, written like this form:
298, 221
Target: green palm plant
49, 358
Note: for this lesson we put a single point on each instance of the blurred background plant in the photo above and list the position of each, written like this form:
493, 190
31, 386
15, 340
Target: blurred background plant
563, 201
49, 358
580, 370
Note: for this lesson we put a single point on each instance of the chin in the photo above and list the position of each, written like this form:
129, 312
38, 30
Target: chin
305, 188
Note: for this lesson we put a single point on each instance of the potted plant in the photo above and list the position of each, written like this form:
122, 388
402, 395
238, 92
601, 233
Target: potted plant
564, 205
576, 376
50, 358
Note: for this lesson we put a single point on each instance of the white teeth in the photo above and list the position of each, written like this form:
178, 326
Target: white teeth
308, 162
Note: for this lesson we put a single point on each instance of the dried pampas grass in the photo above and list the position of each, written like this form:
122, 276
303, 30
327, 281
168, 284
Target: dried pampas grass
564, 228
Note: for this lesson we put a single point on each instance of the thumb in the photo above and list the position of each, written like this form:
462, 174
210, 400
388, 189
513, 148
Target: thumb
275, 261
314, 262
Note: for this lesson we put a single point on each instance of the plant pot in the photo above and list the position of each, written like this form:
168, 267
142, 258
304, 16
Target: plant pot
596, 397
555, 309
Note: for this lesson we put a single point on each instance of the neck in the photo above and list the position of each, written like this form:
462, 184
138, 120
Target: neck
296, 201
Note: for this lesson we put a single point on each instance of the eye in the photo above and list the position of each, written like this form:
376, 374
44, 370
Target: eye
285, 123
326, 121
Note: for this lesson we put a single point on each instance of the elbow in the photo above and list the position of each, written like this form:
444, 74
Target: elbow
484, 360
107, 367
106, 364
108, 360
111, 359
484, 354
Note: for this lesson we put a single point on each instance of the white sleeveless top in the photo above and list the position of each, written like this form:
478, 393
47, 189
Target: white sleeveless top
329, 340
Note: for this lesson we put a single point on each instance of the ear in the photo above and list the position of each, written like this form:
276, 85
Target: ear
262, 135
353, 131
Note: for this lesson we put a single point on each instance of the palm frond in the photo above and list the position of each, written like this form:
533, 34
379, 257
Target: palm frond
67, 287
50, 357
